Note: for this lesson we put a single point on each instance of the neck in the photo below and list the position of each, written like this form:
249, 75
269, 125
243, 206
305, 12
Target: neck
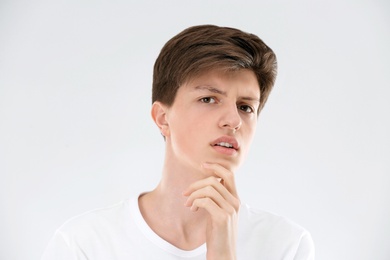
164, 211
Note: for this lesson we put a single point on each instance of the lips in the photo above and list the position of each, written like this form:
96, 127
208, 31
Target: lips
227, 142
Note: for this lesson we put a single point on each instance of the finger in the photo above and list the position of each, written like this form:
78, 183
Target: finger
218, 215
208, 192
211, 187
227, 176
208, 204
213, 182
209, 181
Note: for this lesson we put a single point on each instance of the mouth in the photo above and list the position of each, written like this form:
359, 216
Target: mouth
226, 142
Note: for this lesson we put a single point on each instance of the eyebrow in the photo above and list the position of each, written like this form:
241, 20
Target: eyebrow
251, 99
211, 89
218, 91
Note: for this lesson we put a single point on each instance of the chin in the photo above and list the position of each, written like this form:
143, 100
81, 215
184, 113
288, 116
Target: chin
229, 165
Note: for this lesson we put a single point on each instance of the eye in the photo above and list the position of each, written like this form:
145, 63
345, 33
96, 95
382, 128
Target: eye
246, 108
210, 100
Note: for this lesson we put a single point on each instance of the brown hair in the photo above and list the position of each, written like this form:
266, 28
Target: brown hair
205, 47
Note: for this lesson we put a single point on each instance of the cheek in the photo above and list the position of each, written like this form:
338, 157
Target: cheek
190, 123
250, 133
186, 144
192, 134
186, 131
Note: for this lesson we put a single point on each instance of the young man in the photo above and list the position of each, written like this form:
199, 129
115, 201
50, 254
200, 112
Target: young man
209, 85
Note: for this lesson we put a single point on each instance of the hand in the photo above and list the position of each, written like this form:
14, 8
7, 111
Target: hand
218, 196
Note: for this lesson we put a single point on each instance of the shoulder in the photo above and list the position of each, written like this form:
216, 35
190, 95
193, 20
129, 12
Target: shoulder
96, 220
257, 218
274, 233
89, 233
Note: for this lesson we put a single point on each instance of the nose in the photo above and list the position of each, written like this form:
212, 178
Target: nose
231, 118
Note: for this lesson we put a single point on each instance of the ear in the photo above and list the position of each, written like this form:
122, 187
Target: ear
159, 115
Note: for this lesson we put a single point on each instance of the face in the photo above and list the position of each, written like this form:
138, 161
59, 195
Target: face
213, 119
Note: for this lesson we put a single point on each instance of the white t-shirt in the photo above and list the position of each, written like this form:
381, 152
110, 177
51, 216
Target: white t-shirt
119, 232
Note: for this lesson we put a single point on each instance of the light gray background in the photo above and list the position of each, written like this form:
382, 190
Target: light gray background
76, 134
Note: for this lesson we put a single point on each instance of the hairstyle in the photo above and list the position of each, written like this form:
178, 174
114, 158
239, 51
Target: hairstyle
205, 47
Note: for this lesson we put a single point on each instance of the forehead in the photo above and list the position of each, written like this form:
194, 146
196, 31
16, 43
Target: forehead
243, 80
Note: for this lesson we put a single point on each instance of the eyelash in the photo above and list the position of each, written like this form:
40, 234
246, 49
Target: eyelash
208, 98
243, 108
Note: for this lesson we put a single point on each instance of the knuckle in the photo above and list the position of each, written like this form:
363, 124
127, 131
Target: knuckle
209, 189
207, 200
236, 204
202, 202
197, 203
211, 179
214, 181
224, 218
231, 211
